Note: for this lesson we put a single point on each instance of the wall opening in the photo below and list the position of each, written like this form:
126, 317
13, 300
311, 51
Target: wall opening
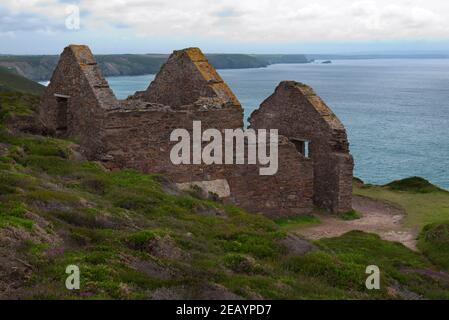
302, 146
61, 117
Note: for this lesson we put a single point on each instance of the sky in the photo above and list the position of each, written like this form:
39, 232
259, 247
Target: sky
228, 26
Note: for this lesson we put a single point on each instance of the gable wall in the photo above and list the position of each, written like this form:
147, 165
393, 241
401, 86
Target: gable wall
296, 111
78, 77
188, 74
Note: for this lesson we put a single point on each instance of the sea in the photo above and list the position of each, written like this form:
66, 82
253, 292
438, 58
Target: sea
396, 111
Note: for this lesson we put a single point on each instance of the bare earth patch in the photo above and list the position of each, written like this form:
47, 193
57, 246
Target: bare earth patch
377, 217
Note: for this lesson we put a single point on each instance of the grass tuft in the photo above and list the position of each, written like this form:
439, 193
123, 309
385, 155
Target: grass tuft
350, 215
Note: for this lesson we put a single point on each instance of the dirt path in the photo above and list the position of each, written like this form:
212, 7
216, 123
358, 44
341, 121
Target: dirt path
378, 217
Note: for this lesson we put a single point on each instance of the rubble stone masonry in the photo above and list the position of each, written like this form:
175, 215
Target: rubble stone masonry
299, 114
135, 133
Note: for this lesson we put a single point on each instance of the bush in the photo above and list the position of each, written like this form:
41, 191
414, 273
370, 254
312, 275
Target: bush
49, 196
49, 164
128, 199
139, 240
13, 214
240, 263
95, 185
10, 181
260, 247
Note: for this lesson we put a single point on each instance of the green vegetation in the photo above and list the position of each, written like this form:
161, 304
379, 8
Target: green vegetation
413, 184
138, 240
398, 264
134, 240
282, 58
351, 215
434, 243
235, 61
423, 202
13, 214
130, 64
297, 221
12, 82
36, 67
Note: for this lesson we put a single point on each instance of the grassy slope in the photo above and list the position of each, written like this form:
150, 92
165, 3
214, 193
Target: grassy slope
11, 82
423, 202
282, 58
434, 243
426, 207
133, 237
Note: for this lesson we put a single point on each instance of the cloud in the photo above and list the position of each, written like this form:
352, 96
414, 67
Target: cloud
241, 21
23, 21
227, 13
394, 21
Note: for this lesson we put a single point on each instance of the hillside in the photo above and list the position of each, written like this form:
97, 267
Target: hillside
424, 203
236, 61
40, 68
283, 58
10, 82
135, 236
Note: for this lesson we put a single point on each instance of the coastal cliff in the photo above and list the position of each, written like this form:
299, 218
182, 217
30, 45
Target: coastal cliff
40, 68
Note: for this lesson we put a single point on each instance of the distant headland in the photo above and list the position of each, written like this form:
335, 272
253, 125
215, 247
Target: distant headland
40, 67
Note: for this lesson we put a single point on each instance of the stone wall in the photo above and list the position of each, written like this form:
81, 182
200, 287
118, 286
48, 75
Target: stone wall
289, 192
135, 133
147, 144
188, 74
147, 148
74, 102
299, 114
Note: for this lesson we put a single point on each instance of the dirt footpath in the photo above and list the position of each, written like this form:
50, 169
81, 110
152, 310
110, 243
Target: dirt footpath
378, 217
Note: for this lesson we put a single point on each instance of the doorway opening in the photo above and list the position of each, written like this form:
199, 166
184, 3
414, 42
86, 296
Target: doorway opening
61, 116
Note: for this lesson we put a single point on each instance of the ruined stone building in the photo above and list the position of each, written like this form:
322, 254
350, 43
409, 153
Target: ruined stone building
315, 166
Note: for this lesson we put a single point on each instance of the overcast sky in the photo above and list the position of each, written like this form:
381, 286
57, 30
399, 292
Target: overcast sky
276, 26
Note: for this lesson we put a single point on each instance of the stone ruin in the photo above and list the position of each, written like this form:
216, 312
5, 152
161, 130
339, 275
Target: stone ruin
315, 166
